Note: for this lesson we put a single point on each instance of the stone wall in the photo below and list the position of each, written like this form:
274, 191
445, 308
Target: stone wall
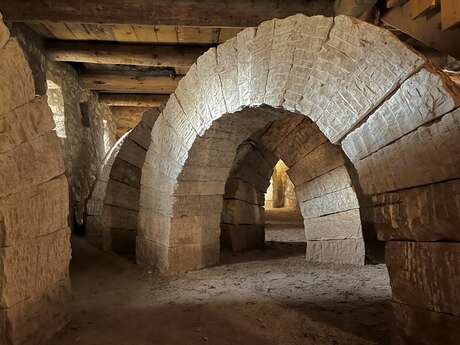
88, 124
34, 233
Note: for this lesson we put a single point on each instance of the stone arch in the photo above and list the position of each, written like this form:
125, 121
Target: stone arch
112, 209
34, 230
396, 118
319, 171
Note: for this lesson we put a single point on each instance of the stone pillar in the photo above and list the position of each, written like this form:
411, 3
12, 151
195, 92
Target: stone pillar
34, 233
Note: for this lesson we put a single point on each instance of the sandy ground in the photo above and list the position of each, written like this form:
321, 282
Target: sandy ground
270, 296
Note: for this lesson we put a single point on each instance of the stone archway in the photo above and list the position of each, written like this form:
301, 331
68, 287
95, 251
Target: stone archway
396, 118
318, 169
34, 230
112, 209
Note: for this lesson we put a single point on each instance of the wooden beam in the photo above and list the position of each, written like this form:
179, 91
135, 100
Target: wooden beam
126, 83
426, 29
124, 54
450, 14
418, 7
132, 100
213, 13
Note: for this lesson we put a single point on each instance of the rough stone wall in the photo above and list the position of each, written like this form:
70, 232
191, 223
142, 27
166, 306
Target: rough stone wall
34, 233
393, 115
90, 132
88, 124
112, 210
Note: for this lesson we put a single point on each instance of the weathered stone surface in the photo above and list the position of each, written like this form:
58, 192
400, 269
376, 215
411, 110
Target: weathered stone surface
122, 195
415, 326
420, 99
195, 229
241, 190
332, 181
321, 160
33, 161
337, 226
425, 274
4, 33
31, 268
432, 152
24, 123
241, 212
34, 212
36, 320
358, 66
227, 62
428, 213
126, 173
16, 81
243, 41
349, 251
342, 200
306, 138
241, 237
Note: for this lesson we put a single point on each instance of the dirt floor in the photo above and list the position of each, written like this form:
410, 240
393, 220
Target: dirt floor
269, 296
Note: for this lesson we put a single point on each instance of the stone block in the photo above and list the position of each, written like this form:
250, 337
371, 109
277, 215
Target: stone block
197, 205
353, 73
126, 173
425, 274
132, 153
121, 218
122, 195
195, 229
34, 162
35, 211
415, 326
428, 213
427, 155
4, 33
241, 237
332, 181
16, 80
30, 268
37, 320
141, 135
429, 97
227, 61
340, 201
25, 123
192, 257
321, 160
302, 141
337, 226
349, 251
241, 190
241, 212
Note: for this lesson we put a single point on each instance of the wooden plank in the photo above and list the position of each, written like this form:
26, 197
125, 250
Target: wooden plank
132, 100
450, 14
124, 54
236, 13
197, 35
394, 3
78, 30
418, 7
60, 30
127, 83
227, 33
426, 29
124, 33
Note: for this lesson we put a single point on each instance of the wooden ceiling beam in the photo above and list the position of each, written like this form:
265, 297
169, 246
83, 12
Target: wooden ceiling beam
212, 13
132, 100
127, 83
426, 29
124, 54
